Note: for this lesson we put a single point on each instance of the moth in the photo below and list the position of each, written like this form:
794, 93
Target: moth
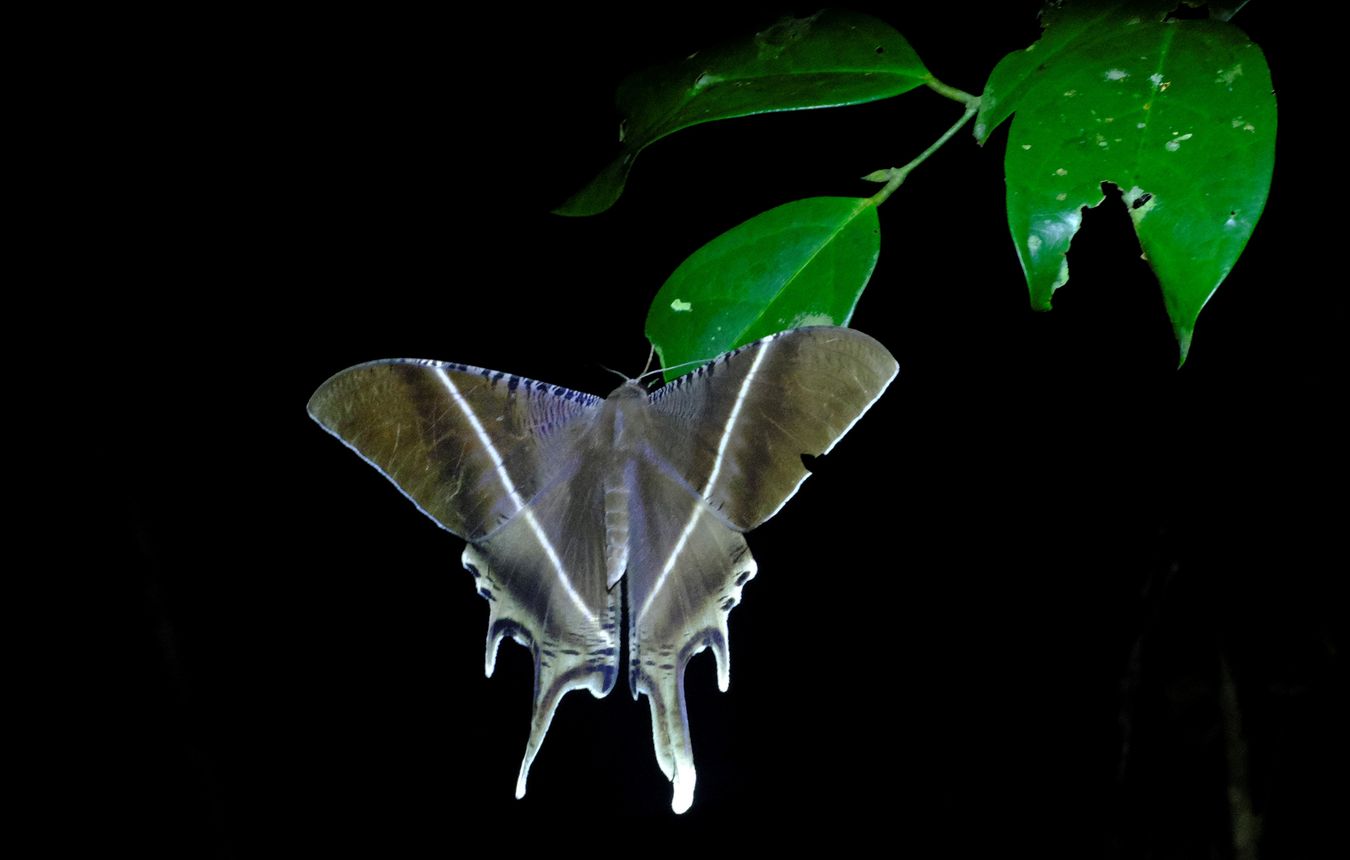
573, 505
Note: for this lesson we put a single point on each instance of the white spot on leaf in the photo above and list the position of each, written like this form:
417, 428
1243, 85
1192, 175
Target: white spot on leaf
1116, 74
1227, 76
1060, 230
1236, 221
1056, 233
1061, 172
705, 80
804, 319
1175, 143
679, 306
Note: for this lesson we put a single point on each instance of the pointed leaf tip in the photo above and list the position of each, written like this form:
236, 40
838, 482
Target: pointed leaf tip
1179, 115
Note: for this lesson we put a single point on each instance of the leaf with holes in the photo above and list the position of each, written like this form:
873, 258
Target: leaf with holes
1179, 115
803, 263
830, 59
1066, 31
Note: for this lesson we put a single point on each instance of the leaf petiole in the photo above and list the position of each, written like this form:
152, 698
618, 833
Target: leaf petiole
895, 176
952, 93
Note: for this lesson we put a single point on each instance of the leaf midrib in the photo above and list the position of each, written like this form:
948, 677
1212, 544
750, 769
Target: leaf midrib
862, 205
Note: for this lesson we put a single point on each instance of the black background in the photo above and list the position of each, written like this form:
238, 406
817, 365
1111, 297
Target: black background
992, 620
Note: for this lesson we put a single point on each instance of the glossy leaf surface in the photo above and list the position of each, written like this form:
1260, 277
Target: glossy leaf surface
1067, 32
803, 263
1179, 115
831, 58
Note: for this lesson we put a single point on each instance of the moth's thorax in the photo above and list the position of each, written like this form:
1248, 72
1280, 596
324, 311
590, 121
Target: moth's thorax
624, 416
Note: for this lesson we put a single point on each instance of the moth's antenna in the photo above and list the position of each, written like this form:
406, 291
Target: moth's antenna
698, 361
622, 376
650, 355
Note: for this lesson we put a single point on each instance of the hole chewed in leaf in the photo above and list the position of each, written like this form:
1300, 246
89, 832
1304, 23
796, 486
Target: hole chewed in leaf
1139, 202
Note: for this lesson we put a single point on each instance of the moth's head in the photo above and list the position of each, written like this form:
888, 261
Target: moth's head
631, 389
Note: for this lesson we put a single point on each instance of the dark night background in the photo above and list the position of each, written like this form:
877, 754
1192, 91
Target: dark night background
993, 620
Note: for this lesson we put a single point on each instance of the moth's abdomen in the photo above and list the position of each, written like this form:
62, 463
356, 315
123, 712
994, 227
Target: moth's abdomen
618, 483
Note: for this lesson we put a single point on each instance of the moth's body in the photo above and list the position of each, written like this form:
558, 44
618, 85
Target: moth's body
624, 408
561, 495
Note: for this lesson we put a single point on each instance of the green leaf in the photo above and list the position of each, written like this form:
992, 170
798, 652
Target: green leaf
1179, 115
803, 263
829, 59
1067, 31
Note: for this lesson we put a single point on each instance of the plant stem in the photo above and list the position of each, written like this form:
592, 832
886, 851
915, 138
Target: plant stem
950, 92
896, 175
